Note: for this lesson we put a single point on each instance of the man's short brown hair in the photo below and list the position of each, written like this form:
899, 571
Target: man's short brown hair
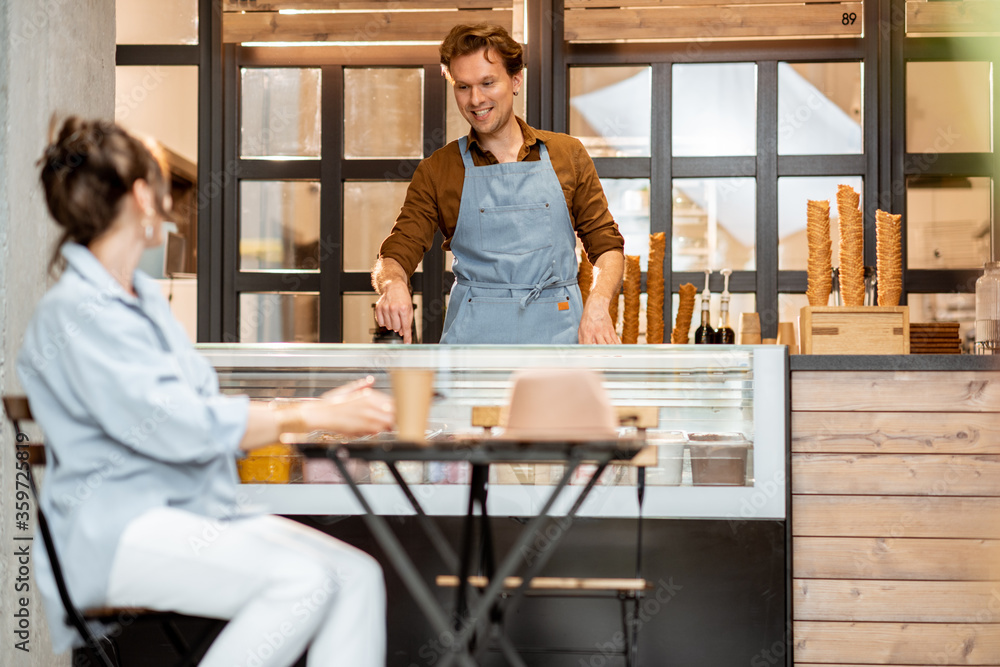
466, 39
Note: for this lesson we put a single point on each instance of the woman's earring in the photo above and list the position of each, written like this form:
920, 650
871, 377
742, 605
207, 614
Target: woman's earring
515, 92
149, 231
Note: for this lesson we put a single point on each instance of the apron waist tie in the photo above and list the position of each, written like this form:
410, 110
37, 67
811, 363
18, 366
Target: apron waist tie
536, 290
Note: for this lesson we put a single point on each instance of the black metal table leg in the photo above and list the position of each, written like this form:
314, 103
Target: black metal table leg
406, 569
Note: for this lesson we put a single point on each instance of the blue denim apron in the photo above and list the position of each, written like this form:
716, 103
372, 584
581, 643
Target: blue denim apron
515, 257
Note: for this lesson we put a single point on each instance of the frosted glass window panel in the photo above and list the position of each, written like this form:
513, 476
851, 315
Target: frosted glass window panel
948, 222
790, 308
714, 109
383, 112
819, 108
359, 316
948, 107
457, 127
281, 113
160, 102
714, 224
160, 22
950, 307
279, 226
610, 110
738, 303
279, 317
370, 210
793, 195
628, 201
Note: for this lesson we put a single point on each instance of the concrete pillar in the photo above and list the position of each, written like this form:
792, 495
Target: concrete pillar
56, 56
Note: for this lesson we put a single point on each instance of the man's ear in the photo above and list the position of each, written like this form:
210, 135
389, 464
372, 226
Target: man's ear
518, 79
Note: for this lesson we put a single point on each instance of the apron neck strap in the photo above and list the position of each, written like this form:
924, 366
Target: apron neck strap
463, 148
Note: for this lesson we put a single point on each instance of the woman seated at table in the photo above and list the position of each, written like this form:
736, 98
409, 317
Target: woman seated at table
141, 489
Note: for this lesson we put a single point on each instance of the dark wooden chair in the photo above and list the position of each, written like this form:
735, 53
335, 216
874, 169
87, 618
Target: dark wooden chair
102, 649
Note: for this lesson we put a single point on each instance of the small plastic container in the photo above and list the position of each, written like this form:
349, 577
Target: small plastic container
324, 471
718, 459
669, 467
273, 464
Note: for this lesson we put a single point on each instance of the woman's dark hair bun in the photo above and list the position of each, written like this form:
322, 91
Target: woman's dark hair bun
87, 170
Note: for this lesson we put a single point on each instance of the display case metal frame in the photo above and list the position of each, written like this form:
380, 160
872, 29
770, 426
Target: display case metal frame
731, 388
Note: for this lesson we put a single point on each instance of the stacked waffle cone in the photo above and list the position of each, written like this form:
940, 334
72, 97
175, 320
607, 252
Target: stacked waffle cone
888, 250
819, 268
585, 275
633, 288
852, 247
654, 289
685, 311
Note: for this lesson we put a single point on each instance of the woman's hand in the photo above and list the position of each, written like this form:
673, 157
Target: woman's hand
354, 409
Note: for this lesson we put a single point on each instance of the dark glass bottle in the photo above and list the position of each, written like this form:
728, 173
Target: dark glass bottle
705, 334
724, 335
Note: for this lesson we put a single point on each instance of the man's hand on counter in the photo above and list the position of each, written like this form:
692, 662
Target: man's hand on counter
394, 308
596, 327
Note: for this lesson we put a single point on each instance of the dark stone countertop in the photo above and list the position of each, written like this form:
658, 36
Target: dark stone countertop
902, 362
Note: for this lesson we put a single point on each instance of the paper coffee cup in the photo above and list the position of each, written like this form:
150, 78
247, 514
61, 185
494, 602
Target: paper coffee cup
749, 329
413, 390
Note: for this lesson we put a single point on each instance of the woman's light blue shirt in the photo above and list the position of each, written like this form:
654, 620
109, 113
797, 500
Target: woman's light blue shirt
133, 420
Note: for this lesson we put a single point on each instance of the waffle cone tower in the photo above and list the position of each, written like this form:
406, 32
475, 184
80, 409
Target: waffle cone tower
888, 250
654, 289
852, 247
685, 311
633, 289
585, 275
819, 269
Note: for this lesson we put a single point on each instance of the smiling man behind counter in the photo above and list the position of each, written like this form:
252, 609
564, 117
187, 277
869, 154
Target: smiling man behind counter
508, 199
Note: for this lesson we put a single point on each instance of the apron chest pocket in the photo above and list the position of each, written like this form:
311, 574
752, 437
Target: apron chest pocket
515, 230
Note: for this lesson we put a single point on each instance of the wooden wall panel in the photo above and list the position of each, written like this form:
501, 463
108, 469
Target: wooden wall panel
896, 474
896, 601
955, 16
822, 391
712, 22
350, 27
895, 559
377, 5
896, 432
896, 516
896, 643
615, 4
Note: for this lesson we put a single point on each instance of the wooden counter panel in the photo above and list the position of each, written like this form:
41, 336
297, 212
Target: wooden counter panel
896, 601
830, 391
277, 5
896, 559
351, 27
896, 516
956, 16
614, 4
896, 474
896, 643
896, 432
712, 22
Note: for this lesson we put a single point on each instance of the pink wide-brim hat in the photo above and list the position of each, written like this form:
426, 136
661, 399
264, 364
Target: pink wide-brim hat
558, 404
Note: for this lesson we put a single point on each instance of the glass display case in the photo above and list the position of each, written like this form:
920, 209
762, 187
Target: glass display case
721, 440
